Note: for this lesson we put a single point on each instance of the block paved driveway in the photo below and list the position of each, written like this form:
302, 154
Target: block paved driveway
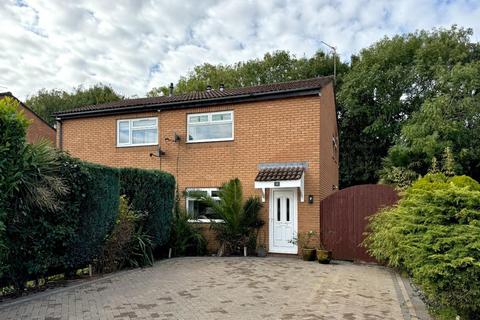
226, 288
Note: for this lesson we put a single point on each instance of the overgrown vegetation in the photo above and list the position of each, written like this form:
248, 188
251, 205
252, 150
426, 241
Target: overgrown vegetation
56, 212
127, 245
434, 235
241, 218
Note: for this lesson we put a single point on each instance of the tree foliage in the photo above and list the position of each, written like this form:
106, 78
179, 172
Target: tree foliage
46, 102
447, 126
389, 82
434, 234
273, 67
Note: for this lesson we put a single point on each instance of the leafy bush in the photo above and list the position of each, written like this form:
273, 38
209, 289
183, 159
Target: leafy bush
36, 228
150, 192
434, 234
13, 128
185, 238
123, 246
241, 220
31, 230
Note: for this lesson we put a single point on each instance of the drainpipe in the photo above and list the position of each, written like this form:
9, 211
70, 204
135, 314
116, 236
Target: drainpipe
59, 134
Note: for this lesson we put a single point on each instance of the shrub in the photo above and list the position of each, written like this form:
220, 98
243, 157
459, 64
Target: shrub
122, 247
185, 238
13, 128
434, 234
151, 192
37, 229
31, 230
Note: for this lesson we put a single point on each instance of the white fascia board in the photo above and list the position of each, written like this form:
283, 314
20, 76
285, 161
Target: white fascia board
282, 184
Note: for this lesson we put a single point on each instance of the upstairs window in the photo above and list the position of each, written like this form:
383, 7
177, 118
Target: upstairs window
137, 132
207, 127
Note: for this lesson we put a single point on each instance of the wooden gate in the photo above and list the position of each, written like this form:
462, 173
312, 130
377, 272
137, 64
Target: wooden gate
343, 218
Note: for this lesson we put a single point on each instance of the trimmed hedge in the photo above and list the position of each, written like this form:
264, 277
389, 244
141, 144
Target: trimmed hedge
95, 201
45, 242
151, 192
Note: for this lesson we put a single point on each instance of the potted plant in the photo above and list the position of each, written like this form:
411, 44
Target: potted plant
306, 242
261, 250
324, 256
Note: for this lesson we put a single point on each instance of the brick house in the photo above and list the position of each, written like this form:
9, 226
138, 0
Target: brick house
279, 139
38, 128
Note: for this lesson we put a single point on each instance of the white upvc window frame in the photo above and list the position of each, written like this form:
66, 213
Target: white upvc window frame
131, 129
209, 193
210, 121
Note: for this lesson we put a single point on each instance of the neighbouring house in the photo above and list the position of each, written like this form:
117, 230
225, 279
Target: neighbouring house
279, 139
38, 129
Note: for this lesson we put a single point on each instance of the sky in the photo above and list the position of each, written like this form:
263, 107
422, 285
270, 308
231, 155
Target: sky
136, 45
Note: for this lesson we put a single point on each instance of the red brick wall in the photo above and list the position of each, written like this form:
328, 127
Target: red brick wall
286, 130
38, 129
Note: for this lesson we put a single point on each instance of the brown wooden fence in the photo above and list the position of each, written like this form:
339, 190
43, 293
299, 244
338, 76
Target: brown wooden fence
343, 218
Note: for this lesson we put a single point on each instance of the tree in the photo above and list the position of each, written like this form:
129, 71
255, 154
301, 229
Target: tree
447, 126
387, 83
46, 102
273, 67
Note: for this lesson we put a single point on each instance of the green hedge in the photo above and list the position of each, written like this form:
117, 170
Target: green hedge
151, 192
95, 202
434, 234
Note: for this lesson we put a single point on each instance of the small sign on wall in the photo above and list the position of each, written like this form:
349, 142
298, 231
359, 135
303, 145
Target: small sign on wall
276, 183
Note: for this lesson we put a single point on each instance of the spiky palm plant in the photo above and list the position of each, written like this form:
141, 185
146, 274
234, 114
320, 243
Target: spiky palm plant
241, 219
39, 183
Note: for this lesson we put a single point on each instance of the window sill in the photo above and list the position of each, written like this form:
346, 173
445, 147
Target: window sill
137, 145
205, 221
213, 140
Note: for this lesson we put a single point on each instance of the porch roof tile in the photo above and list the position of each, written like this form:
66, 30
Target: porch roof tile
280, 174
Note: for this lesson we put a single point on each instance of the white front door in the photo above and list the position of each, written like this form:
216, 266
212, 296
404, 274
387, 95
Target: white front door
283, 220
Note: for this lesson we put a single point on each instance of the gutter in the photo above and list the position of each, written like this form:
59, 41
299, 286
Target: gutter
192, 104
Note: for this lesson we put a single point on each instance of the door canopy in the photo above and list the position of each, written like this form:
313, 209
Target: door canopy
276, 176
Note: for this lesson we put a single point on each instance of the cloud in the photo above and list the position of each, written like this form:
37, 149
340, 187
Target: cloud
136, 45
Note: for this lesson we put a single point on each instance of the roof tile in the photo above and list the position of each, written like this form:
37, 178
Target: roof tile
204, 95
280, 174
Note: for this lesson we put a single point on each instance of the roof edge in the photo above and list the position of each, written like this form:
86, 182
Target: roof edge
9, 94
